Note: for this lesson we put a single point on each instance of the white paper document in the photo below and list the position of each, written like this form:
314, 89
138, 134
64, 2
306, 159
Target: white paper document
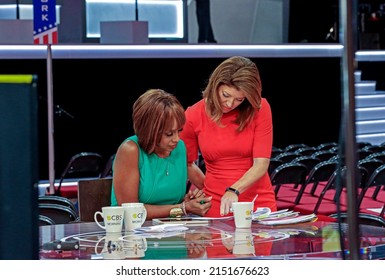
293, 218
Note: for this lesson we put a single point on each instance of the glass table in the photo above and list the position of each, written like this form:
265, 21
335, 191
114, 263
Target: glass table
217, 240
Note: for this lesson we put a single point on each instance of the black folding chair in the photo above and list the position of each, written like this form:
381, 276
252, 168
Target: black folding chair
291, 174
107, 170
81, 165
60, 214
53, 199
46, 221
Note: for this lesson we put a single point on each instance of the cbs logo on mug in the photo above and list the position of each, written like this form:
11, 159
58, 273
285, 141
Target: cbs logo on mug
114, 218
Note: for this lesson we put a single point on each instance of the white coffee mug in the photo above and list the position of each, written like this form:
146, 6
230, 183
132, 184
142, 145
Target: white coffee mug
135, 246
243, 242
135, 215
243, 214
112, 247
112, 218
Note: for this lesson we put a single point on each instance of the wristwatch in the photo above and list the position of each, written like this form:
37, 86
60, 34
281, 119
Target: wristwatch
229, 189
176, 212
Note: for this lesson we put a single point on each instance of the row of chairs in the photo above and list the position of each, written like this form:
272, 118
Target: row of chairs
93, 194
311, 160
323, 155
65, 206
328, 146
315, 190
56, 210
323, 151
366, 155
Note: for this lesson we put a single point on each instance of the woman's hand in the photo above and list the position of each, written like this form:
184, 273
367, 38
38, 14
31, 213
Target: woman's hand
194, 193
197, 243
228, 242
226, 201
198, 206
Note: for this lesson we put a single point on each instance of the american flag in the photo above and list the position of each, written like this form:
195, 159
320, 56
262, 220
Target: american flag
44, 22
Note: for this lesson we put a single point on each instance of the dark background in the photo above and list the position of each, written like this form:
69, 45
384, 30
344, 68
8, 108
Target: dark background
311, 20
304, 94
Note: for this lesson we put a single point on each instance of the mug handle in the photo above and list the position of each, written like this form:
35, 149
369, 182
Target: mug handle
144, 215
96, 219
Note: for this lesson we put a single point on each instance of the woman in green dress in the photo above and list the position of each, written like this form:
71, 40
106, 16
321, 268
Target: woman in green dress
151, 166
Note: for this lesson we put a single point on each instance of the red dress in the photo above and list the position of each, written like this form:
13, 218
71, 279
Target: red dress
229, 154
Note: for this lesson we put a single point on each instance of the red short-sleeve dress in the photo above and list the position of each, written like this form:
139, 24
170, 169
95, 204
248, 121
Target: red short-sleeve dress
228, 154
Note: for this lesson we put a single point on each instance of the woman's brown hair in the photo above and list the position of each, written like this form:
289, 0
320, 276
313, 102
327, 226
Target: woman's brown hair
154, 113
240, 73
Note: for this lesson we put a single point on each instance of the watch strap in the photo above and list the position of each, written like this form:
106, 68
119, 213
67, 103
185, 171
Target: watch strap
229, 189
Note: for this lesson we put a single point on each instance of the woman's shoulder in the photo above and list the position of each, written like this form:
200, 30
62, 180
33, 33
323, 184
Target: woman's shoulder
196, 111
180, 152
181, 145
196, 106
264, 111
264, 102
129, 145
265, 106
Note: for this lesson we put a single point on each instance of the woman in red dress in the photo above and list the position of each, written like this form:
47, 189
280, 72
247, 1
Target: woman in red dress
232, 129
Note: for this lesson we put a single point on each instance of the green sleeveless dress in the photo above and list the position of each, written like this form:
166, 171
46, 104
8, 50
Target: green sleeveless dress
162, 180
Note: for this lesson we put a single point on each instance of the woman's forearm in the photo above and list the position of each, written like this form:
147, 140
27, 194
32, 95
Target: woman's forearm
196, 175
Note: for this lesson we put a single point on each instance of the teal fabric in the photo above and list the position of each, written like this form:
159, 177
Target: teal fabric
174, 248
155, 186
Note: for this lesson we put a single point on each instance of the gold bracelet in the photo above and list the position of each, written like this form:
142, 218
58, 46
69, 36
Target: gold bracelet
176, 212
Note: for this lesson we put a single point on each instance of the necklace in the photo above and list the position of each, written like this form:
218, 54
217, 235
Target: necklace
163, 159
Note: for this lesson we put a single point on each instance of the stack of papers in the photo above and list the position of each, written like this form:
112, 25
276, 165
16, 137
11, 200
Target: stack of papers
261, 213
283, 217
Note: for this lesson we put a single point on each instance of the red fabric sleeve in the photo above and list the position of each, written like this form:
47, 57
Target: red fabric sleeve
263, 133
189, 137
